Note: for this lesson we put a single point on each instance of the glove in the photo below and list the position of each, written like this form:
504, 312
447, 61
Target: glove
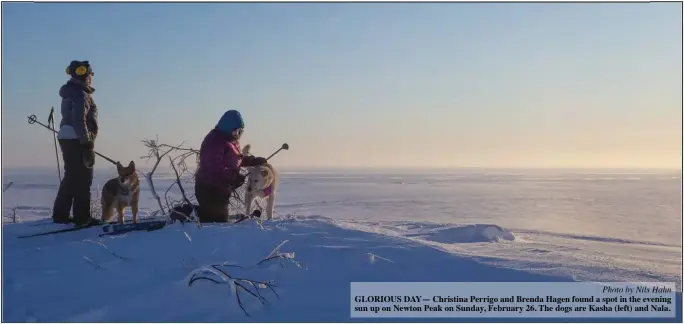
85, 140
88, 154
88, 145
238, 181
258, 161
250, 161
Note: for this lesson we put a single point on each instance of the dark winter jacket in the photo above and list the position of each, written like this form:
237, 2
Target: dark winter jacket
79, 112
219, 160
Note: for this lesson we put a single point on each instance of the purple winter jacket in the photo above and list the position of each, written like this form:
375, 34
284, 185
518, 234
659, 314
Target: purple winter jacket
220, 160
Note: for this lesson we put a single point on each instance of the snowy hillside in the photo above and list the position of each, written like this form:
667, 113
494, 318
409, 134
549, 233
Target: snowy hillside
346, 228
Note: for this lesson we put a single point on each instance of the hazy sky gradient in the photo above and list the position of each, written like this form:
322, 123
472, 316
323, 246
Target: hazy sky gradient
360, 85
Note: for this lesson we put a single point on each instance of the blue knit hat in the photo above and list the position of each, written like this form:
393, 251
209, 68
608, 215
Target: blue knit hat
230, 121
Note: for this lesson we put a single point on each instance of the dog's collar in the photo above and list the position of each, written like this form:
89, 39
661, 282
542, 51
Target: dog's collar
268, 190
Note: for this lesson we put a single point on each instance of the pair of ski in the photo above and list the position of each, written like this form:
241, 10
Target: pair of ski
145, 225
109, 228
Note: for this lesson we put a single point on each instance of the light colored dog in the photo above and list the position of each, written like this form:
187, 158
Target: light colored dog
262, 182
121, 192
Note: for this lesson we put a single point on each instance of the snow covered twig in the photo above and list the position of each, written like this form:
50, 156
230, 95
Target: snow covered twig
178, 182
154, 151
218, 274
375, 256
106, 248
238, 285
89, 260
279, 256
158, 151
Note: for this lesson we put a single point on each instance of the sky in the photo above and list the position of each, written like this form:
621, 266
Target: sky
377, 85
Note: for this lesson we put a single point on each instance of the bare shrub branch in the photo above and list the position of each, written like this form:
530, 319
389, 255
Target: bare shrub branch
178, 182
154, 152
178, 156
158, 151
251, 287
279, 256
238, 285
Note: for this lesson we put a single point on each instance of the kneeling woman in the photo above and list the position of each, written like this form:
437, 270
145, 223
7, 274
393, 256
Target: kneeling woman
218, 173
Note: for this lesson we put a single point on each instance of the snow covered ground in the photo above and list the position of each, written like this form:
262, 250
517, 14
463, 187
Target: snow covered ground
470, 225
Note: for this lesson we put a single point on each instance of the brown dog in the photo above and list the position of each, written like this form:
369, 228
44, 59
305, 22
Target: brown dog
121, 192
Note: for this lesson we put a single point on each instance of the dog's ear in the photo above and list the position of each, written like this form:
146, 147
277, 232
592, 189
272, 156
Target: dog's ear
118, 166
131, 165
245, 150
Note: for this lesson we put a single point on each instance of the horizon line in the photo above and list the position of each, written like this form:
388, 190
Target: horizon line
426, 168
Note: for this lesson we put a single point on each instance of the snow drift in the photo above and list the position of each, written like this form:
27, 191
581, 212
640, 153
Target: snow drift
144, 276
459, 228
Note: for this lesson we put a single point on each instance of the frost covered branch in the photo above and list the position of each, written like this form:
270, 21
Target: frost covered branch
154, 152
178, 182
106, 248
89, 260
372, 257
237, 285
279, 256
181, 159
158, 151
218, 274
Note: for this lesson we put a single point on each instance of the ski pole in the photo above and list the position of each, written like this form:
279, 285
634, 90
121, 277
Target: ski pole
283, 147
33, 120
8, 185
51, 121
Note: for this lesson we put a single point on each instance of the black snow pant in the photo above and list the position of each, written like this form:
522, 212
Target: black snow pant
75, 186
213, 203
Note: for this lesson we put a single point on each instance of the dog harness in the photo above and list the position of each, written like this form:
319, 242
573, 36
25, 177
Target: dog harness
268, 190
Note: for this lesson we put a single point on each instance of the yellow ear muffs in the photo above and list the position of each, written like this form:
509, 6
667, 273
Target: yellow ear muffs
80, 70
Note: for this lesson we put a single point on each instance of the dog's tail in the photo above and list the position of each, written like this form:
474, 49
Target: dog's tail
245, 150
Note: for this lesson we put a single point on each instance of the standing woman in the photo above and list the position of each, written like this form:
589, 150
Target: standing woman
77, 133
